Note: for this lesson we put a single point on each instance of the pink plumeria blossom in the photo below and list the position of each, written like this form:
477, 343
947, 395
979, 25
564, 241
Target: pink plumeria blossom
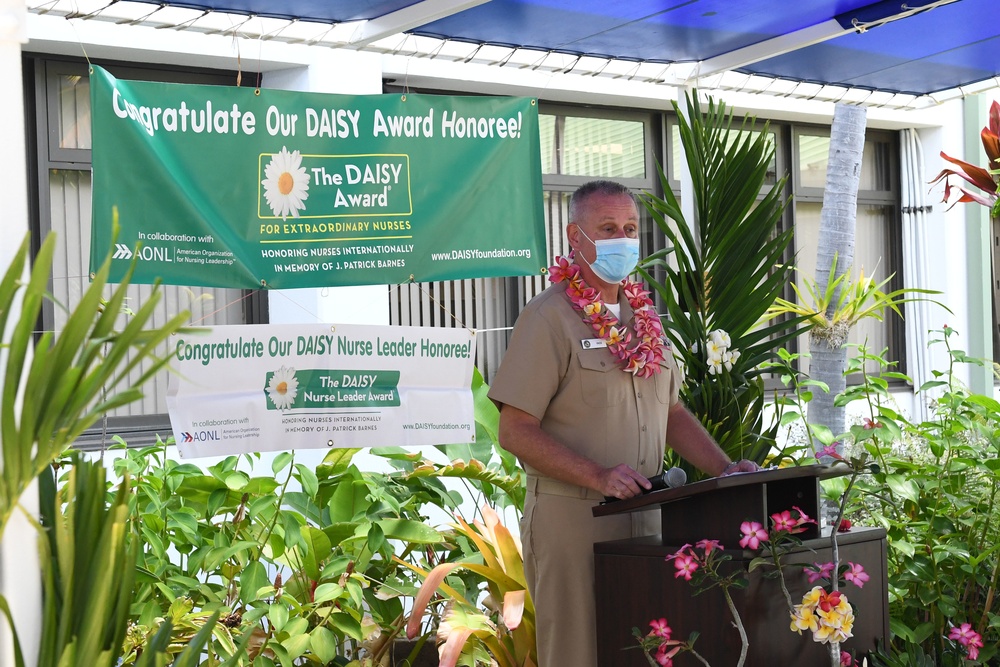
753, 535
967, 637
660, 628
819, 571
856, 574
562, 270
845, 659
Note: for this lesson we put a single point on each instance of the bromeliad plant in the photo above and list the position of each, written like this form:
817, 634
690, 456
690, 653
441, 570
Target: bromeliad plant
505, 636
729, 267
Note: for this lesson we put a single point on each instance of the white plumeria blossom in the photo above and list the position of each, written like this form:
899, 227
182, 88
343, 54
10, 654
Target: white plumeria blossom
713, 350
720, 338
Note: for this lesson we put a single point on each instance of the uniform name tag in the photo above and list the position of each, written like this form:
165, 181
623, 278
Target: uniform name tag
593, 343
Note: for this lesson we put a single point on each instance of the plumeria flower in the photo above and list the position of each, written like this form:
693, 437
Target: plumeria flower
804, 618
562, 270
593, 308
660, 628
616, 336
856, 574
845, 659
819, 571
753, 534
713, 350
714, 366
720, 338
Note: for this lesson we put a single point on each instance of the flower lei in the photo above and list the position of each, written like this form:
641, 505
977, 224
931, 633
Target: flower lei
640, 355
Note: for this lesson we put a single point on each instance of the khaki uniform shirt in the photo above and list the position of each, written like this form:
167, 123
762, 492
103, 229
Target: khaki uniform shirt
581, 396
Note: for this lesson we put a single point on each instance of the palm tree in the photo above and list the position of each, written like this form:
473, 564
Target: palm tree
836, 252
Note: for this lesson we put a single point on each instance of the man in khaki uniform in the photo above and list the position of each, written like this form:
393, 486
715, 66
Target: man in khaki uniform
585, 428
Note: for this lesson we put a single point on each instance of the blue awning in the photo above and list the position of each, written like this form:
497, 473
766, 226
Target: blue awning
917, 48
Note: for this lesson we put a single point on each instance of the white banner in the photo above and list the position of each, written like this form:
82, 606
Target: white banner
266, 387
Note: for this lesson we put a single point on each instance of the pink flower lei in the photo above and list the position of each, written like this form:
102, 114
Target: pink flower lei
640, 354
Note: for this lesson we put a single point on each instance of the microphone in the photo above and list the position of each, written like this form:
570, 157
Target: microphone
668, 479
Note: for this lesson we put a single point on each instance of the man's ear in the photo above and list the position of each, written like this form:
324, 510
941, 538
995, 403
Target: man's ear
573, 235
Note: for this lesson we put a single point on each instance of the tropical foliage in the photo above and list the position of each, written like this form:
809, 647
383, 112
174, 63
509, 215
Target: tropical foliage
51, 390
986, 180
728, 268
505, 632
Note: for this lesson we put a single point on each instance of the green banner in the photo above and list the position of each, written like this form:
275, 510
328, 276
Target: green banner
245, 188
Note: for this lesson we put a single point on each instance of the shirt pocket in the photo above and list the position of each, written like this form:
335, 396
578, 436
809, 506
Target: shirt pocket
666, 382
601, 380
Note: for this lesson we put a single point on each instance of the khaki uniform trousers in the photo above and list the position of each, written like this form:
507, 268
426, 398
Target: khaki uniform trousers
558, 532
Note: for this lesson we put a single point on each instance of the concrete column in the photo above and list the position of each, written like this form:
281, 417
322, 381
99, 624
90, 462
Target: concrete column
20, 576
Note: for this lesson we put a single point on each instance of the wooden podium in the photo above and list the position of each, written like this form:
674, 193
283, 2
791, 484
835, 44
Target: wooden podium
635, 584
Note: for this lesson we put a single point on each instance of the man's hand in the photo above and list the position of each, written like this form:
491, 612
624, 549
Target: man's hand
622, 482
743, 465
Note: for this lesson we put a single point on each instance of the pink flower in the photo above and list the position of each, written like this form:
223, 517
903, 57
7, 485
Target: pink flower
753, 535
686, 566
783, 521
857, 575
845, 659
967, 637
819, 571
786, 522
829, 450
869, 424
664, 656
660, 628
562, 270
709, 545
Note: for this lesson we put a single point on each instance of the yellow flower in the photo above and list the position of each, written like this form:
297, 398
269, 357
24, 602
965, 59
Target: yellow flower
593, 308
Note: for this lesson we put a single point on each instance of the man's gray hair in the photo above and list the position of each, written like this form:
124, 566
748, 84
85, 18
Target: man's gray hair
591, 188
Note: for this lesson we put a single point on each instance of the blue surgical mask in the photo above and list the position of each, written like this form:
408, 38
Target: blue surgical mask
616, 258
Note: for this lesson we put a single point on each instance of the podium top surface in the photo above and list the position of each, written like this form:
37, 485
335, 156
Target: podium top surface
654, 499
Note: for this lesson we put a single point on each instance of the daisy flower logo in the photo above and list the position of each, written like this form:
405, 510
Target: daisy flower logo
283, 387
286, 186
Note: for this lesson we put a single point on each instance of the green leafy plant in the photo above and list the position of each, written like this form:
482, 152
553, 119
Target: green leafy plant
51, 390
729, 269
936, 493
67, 381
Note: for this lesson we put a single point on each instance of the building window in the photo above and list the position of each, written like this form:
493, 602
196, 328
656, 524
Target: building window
62, 186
